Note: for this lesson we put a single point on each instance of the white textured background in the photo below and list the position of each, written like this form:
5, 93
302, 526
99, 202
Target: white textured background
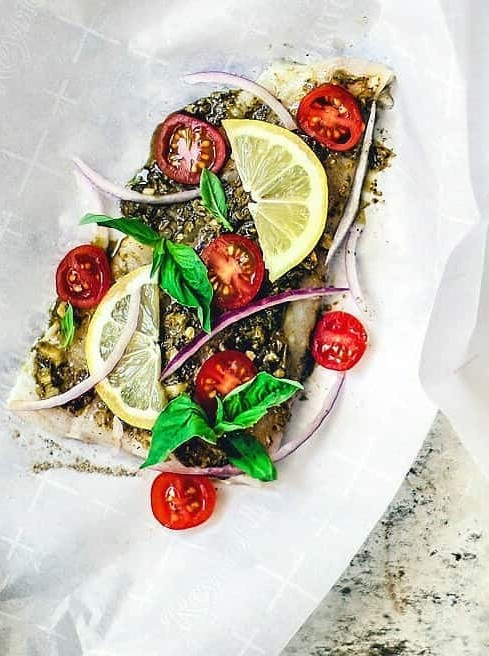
83, 567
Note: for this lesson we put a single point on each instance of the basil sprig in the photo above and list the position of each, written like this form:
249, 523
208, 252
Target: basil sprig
181, 272
183, 419
67, 325
213, 197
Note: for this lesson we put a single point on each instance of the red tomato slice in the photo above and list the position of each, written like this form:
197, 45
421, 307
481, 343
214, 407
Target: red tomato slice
83, 276
339, 341
236, 270
331, 115
184, 145
220, 374
181, 501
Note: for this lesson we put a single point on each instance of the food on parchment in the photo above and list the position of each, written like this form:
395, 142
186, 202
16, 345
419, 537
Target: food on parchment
227, 230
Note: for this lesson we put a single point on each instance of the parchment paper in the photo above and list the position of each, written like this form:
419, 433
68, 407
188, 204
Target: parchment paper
455, 364
84, 569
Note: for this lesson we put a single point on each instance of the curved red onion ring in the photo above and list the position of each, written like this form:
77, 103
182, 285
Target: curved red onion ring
326, 407
351, 269
351, 208
227, 471
123, 193
230, 80
93, 379
229, 318
175, 467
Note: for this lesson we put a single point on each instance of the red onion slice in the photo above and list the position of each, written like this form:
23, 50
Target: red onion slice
236, 81
351, 270
173, 466
326, 408
123, 193
229, 318
351, 209
227, 471
93, 379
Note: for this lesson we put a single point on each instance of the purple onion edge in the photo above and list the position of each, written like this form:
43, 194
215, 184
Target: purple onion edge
229, 318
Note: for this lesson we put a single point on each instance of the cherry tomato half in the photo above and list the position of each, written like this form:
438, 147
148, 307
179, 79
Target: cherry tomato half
181, 501
83, 276
331, 115
339, 341
184, 145
220, 374
236, 270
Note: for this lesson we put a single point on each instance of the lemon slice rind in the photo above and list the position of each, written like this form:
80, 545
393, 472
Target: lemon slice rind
288, 187
132, 391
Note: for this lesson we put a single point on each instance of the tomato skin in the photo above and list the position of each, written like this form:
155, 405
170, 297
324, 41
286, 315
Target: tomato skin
339, 341
220, 374
83, 276
181, 501
184, 144
331, 115
236, 270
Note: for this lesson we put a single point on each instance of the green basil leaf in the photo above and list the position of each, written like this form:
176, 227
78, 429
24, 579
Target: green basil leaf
248, 403
132, 227
183, 276
219, 412
213, 197
225, 426
157, 257
68, 326
248, 454
177, 423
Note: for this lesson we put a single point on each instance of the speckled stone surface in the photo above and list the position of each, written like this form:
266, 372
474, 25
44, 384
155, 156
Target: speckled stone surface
420, 584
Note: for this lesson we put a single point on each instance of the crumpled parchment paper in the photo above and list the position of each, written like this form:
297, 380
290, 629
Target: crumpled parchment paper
84, 569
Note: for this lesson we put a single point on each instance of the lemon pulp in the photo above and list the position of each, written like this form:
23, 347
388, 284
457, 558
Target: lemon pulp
132, 391
288, 188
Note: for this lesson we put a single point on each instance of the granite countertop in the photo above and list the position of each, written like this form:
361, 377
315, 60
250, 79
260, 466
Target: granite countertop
419, 585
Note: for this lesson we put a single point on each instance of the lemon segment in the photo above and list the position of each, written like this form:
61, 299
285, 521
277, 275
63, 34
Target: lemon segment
288, 188
132, 391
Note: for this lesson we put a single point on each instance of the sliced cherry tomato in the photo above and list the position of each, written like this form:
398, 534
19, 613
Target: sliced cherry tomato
220, 374
184, 145
331, 115
181, 501
339, 341
83, 276
236, 270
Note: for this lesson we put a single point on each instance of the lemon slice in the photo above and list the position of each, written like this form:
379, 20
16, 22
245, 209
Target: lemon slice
288, 187
132, 390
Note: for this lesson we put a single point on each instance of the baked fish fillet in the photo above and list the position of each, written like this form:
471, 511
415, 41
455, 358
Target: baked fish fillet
276, 339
